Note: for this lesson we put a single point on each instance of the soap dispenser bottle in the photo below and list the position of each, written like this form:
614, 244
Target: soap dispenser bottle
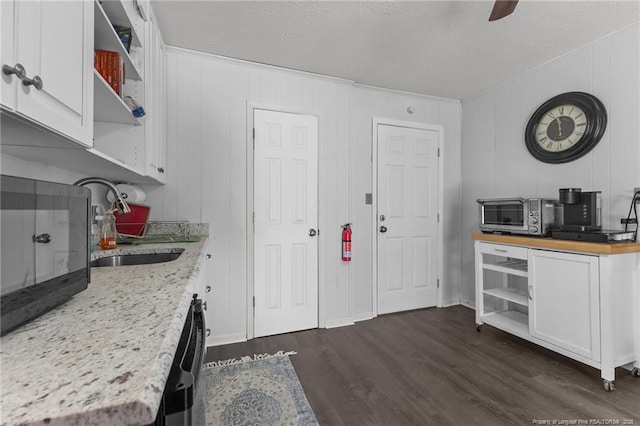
108, 234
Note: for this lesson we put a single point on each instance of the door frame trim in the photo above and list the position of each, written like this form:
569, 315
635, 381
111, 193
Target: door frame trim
250, 240
374, 223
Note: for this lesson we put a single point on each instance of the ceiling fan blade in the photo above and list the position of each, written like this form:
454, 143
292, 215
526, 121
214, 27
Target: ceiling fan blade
502, 8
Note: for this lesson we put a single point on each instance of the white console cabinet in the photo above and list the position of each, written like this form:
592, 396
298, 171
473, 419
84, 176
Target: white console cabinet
578, 299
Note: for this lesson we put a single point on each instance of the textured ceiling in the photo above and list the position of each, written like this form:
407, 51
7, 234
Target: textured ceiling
439, 48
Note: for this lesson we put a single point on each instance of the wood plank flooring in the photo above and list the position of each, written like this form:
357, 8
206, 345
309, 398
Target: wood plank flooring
430, 366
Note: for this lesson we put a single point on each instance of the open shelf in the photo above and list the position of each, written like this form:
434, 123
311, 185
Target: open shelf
108, 106
509, 294
511, 321
107, 39
510, 266
117, 15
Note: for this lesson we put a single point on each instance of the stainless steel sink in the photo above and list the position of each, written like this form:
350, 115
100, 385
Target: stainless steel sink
136, 259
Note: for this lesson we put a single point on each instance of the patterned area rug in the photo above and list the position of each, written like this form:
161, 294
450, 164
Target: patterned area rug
263, 390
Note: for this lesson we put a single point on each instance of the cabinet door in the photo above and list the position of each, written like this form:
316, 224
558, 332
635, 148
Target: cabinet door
564, 306
54, 40
155, 131
9, 82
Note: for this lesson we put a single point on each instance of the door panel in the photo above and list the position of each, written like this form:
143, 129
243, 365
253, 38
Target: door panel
407, 208
286, 208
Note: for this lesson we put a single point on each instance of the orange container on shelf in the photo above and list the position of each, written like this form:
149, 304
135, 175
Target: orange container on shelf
133, 224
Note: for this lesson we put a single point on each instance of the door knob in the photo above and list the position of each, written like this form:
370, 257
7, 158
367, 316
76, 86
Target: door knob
383, 229
42, 238
382, 218
313, 232
18, 70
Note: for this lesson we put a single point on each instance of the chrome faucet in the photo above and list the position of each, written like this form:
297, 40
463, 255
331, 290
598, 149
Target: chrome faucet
123, 207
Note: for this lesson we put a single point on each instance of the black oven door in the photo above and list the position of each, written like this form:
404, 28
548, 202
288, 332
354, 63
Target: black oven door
180, 399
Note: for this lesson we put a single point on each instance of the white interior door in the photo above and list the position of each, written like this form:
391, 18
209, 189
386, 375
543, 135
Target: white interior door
407, 222
285, 222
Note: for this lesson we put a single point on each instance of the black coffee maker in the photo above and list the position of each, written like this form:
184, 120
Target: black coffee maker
581, 210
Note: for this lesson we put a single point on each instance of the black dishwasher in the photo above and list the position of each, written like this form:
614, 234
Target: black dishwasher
180, 398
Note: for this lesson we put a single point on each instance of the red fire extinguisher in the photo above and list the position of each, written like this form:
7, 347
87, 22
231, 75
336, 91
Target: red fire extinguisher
346, 242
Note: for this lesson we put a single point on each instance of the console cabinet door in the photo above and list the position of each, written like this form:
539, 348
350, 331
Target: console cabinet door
564, 301
54, 41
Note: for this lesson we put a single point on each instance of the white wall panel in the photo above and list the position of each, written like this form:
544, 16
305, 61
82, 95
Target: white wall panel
207, 139
208, 145
496, 162
368, 102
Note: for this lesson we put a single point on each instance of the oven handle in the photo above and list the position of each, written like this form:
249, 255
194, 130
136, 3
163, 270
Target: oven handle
185, 371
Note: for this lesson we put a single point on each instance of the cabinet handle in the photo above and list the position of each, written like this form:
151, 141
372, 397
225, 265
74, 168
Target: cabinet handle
500, 250
161, 169
529, 291
17, 69
207, 256
207, 289
204, 305
208, 332
36, 82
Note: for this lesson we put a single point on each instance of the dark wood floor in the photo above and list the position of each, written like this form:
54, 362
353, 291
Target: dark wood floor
431, 367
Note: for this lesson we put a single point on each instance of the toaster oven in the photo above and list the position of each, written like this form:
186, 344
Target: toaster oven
45, 247
528, 216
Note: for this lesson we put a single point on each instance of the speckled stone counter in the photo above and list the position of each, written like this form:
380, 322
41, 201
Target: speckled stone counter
103, 357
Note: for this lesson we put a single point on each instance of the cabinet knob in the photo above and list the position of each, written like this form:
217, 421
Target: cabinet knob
36, 82
17, 69
207, 289
208, 332
207, 256
161, 169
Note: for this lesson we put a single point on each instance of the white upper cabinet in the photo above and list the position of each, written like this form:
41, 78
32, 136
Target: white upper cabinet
52, 41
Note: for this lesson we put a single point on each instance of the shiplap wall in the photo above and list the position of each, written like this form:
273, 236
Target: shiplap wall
207, 178
496, 163
368, 102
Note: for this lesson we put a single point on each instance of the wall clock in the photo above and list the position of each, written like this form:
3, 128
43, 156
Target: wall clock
566, 127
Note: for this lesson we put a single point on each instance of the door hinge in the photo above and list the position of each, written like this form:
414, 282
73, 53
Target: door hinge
254, 302
438, 282
438, 217
438, 152
253, 215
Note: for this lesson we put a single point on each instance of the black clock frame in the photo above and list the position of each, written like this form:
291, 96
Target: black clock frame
596, 114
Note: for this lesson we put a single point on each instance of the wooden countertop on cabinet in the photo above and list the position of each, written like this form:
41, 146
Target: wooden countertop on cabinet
564, 245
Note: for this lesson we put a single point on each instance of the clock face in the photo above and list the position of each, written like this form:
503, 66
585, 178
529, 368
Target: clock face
561, 128
565, 127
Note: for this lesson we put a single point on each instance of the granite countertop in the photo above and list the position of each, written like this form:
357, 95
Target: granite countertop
103, 357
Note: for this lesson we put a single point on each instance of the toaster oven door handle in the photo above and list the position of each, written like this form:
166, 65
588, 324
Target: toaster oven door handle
501, 200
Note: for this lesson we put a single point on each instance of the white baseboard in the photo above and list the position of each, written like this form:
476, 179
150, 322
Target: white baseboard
338, 322
468, 305
362, 316
448, 303
226, 339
